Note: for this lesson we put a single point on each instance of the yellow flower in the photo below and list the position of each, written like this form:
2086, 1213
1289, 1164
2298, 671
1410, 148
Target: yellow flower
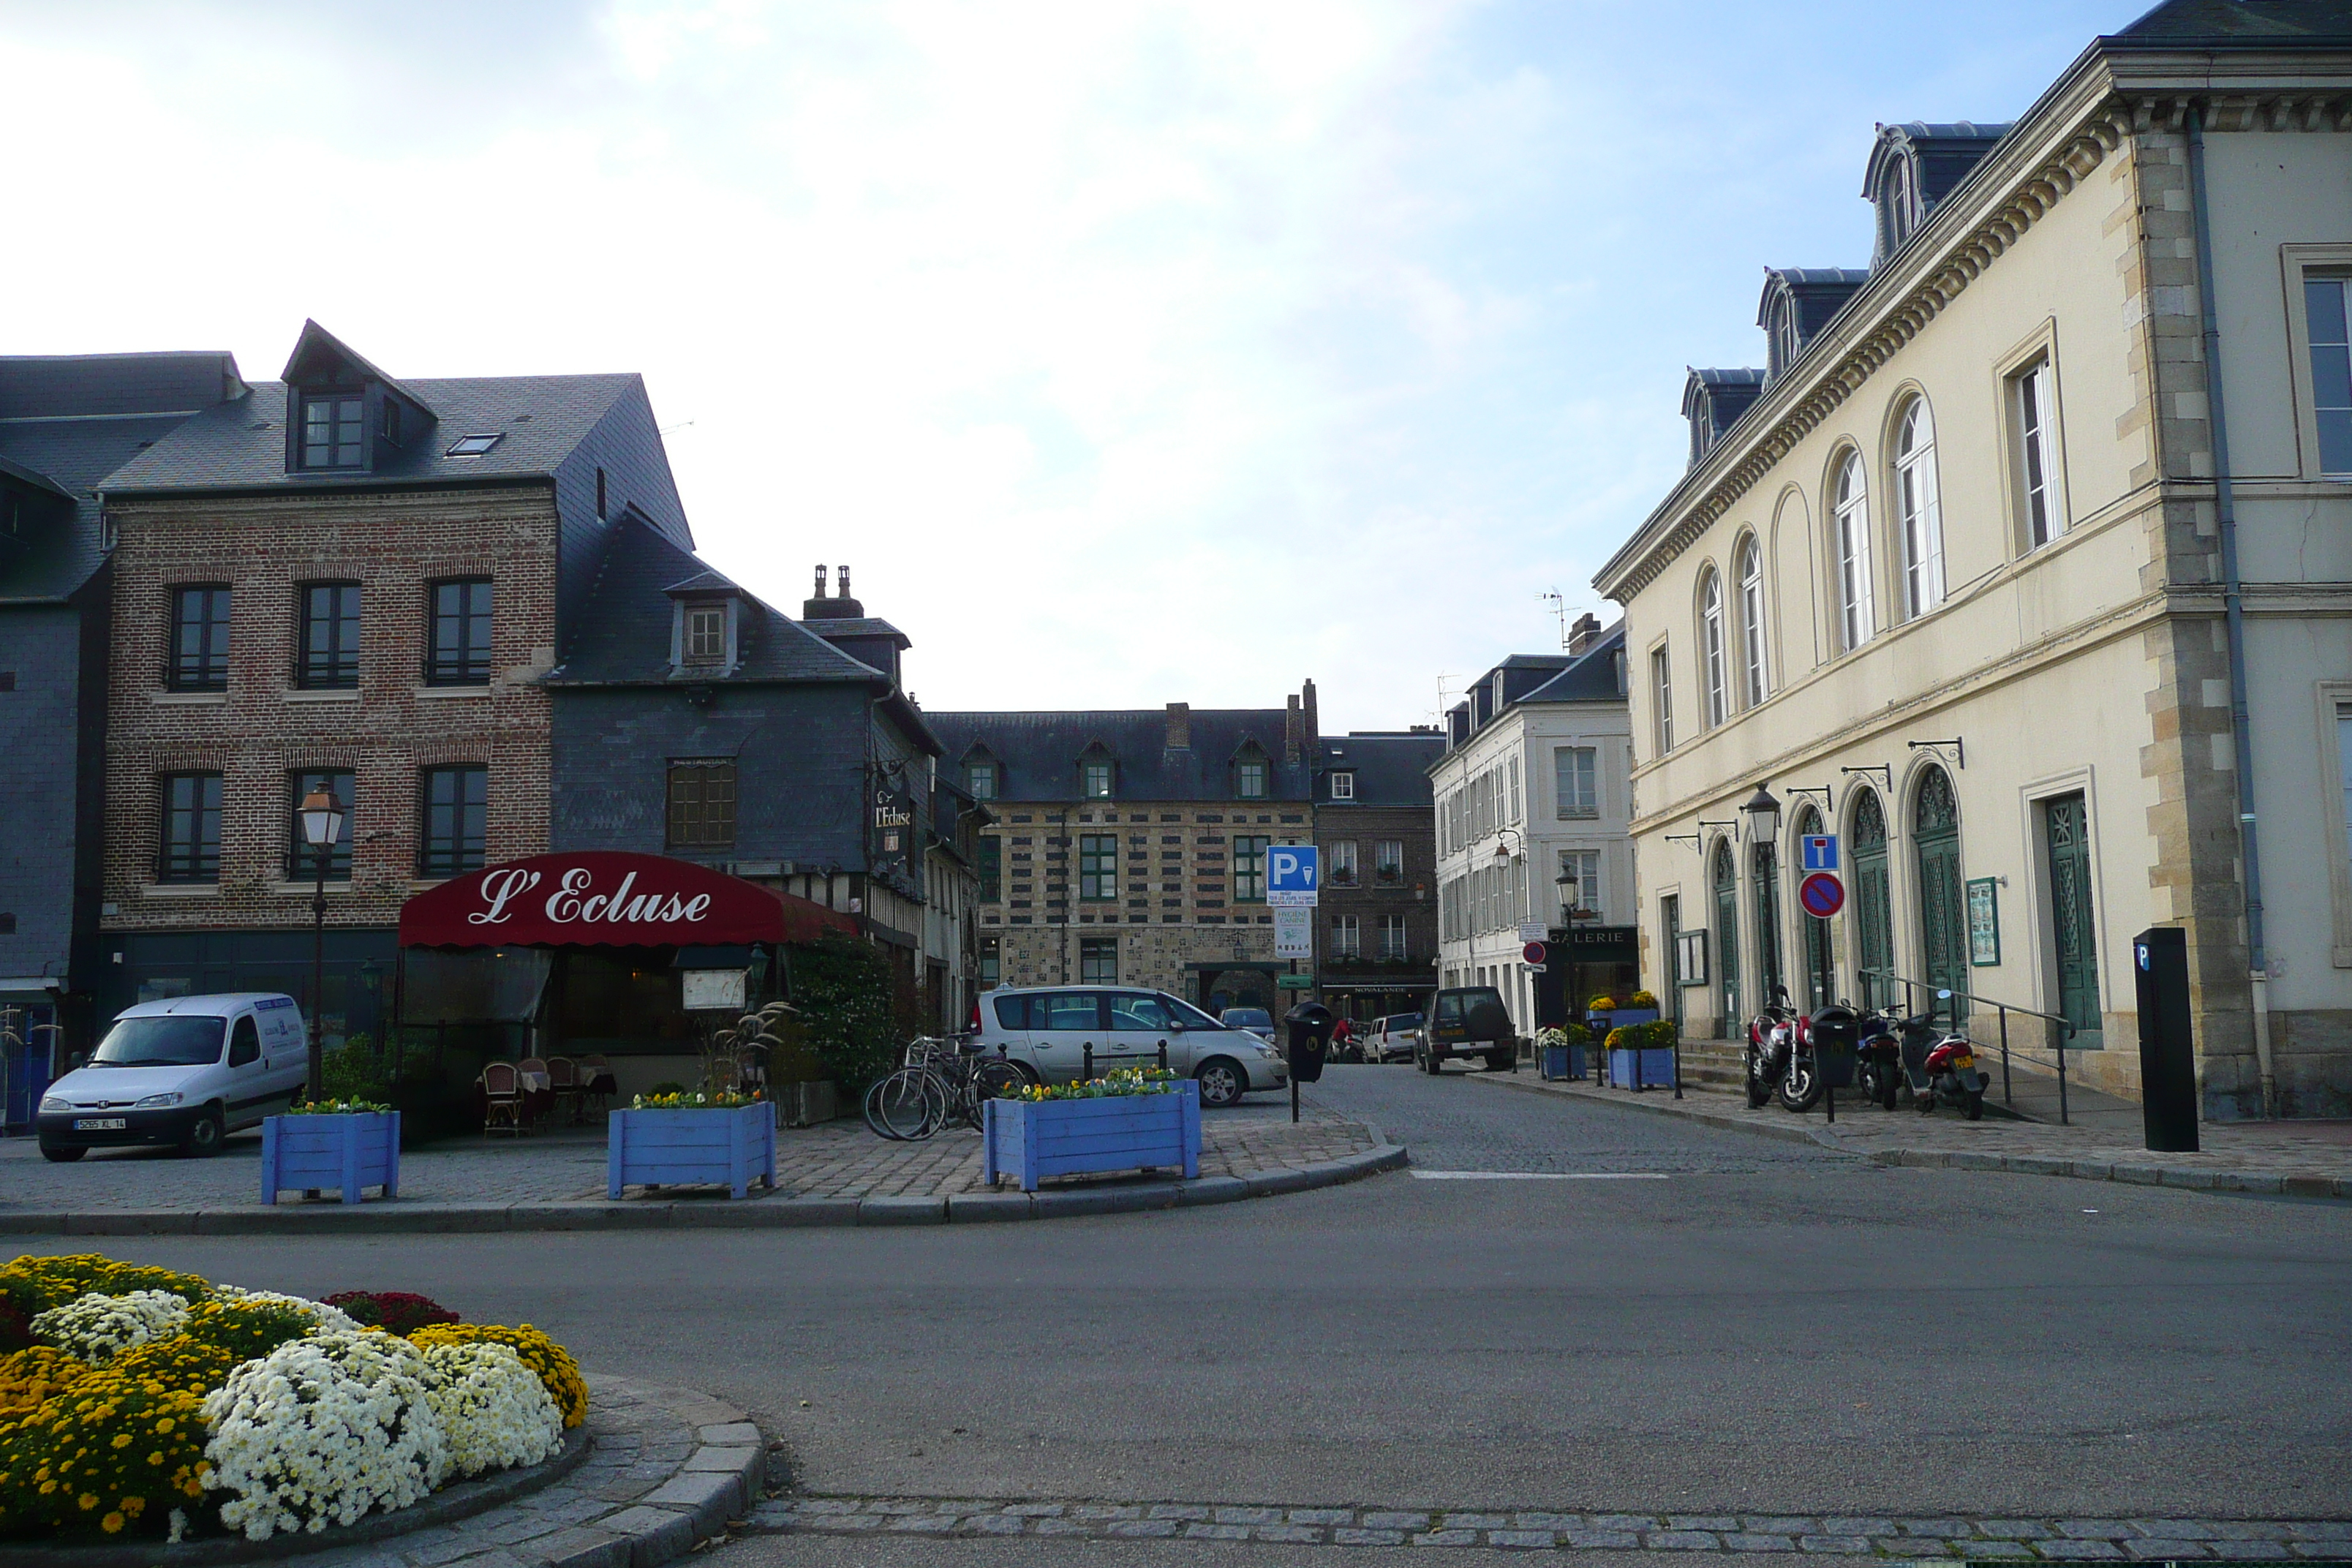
111, 1523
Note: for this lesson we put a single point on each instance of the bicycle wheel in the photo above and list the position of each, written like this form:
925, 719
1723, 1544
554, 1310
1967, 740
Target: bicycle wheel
908, 1105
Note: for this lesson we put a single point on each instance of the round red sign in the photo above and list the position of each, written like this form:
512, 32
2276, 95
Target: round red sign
1822, 894
1534, 952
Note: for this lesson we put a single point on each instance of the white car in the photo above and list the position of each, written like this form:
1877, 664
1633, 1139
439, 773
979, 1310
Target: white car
1051, 1033
189, 1070
1389, 1039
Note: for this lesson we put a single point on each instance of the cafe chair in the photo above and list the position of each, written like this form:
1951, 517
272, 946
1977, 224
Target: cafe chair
597, 1082
501, 1098
563, 1080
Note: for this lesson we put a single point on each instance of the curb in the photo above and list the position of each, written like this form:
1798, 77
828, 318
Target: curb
2185, 1178
381, 1218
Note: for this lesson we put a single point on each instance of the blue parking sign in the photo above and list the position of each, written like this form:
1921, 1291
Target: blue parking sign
1293, 873
1820, 851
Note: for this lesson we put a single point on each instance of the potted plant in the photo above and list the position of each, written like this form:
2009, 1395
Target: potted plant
348, 1144
1560, 1051
1607, 1013
724, 1139
1641, 1056
1130, 1118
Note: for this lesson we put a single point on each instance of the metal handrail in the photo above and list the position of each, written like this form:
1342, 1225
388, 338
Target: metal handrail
2004, 1009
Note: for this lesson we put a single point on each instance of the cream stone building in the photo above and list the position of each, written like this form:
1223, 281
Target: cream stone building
1532, 798
1975, 576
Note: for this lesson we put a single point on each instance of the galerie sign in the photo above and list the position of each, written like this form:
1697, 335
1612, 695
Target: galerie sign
593, 899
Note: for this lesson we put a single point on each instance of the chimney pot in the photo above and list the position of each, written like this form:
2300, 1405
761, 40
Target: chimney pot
842, 573
820, 583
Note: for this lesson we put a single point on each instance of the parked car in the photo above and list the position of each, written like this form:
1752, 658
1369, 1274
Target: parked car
1391, 1039
1465, 1021
1046, 1032
187, 1070
1256, 1020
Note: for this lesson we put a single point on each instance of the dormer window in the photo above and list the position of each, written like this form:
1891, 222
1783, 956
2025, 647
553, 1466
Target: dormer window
1095, 779
1249, 778
391, 431
980, 779
330, 430
706, 634
1343, 786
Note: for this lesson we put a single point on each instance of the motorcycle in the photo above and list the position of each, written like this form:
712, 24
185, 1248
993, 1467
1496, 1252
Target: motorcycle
1943, 1071
1878, 1057
1780, 1055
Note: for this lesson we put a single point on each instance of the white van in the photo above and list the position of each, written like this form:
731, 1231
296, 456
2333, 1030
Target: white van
1050, 1032
188, 1070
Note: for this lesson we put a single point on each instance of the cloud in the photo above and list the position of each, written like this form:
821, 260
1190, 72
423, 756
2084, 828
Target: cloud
1130, 353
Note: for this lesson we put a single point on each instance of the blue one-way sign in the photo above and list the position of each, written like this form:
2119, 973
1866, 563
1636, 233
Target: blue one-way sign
1293, 874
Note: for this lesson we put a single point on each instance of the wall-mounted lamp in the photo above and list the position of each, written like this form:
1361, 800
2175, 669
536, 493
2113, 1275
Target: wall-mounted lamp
1763, 814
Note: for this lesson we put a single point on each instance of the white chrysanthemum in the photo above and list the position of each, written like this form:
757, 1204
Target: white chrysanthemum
321, 1316
321, 1430
495, 1411
96, 1329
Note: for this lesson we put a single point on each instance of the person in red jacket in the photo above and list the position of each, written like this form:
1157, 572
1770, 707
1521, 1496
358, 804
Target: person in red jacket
1343, 1036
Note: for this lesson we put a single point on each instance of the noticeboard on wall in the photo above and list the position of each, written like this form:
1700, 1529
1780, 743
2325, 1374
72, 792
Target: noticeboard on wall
1984, 922
1690, 957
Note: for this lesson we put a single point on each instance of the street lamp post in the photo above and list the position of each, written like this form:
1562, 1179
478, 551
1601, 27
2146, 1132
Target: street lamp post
321, 817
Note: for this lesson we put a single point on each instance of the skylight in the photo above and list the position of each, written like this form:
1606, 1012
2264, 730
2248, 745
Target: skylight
475, 445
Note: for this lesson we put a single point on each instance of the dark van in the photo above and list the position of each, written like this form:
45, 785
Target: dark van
1468, 1021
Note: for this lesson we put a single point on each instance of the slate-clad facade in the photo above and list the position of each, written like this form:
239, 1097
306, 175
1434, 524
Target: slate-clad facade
66, 423
348, 572
1129, 845
1376, 929
770, 748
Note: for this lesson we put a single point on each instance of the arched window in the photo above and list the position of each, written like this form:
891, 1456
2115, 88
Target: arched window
1753, 682
1919, 517
1853, 552
1710, 623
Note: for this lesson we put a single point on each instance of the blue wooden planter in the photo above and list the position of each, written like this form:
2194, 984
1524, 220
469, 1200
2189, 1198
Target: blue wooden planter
698, 1147
1032, 1140
1563, 1063
1657, 1068
1617, 1017
311, 1153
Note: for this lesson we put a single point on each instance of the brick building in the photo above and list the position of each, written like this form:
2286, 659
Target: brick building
66, 423
1129, 846
345, 576
1376, 930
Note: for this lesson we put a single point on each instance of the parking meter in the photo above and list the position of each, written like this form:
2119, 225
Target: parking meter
1310, 1024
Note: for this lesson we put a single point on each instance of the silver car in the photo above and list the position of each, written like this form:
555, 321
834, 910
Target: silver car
1051, 1033
1389, 1039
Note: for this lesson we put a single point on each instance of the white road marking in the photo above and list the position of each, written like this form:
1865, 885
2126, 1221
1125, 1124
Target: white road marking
1539, 1175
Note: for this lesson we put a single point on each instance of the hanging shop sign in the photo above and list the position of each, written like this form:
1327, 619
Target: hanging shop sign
606, 898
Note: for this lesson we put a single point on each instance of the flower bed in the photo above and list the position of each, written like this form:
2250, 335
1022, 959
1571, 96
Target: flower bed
159, 1405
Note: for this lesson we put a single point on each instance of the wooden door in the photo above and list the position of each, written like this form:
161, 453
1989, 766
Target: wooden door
2073, 934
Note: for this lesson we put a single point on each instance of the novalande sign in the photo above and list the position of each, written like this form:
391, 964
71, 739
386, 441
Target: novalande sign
606, 898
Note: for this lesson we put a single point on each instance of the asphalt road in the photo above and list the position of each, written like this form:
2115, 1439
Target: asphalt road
1768, 1328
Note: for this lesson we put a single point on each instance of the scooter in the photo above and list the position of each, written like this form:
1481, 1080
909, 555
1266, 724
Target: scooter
1943, 1071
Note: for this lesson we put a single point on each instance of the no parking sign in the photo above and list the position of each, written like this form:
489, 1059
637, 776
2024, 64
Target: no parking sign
1822, 894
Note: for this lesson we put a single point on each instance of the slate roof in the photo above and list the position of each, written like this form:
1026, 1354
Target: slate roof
622, 635
241, 446
68, 421
1038, 752
1392, 768
1591, 679
2228, 23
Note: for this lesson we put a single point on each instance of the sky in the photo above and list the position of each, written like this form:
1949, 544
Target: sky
1128, 353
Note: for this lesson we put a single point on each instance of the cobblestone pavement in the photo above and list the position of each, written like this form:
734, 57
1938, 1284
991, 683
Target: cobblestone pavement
2305, 1158
1947, 1537
836, 1160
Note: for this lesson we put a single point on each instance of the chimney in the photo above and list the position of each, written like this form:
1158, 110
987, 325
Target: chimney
1291, 728
1583, 633
1314, 724
845, 583
1179, 726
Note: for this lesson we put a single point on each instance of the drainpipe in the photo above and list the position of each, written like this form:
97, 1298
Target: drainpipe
2235, 609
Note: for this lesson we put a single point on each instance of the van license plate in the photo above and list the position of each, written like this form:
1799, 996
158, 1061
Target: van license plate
100, 1125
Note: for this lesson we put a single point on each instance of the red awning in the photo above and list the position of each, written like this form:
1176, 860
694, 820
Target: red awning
607, 898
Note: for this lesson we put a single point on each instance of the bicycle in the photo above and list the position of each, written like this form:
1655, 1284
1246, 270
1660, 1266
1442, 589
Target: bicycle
941, 1081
